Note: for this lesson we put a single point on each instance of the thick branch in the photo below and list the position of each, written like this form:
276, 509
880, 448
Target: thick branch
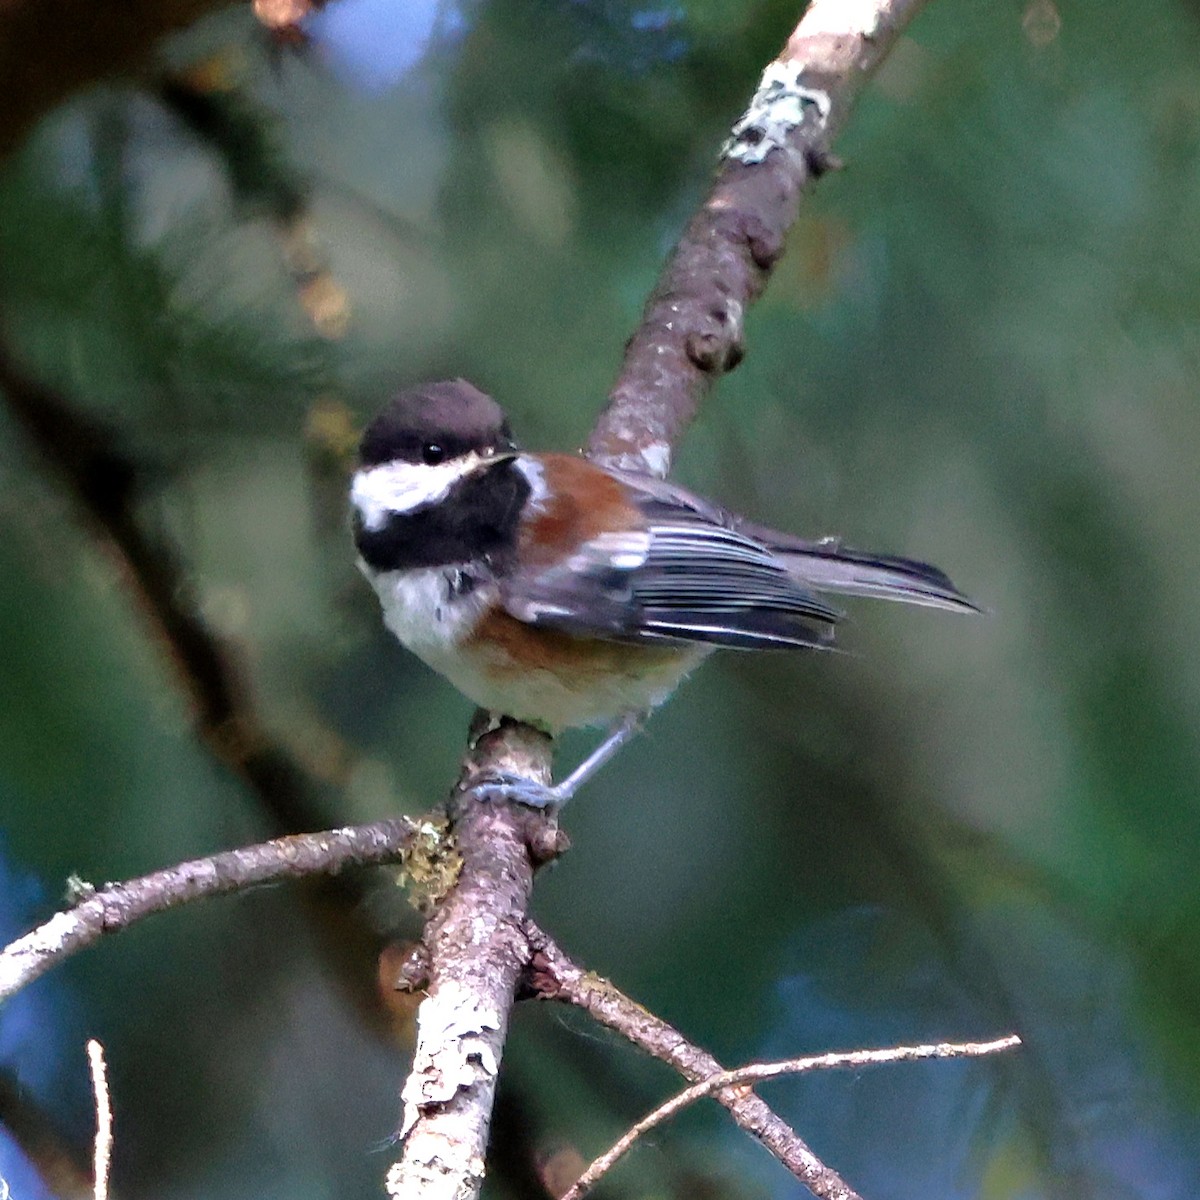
692, 329
555, 977
119, 905
757, 1072
477, 951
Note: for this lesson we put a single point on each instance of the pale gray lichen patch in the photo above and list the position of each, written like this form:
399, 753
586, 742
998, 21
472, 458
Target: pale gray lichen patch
457, 1038
657, 458
780, 104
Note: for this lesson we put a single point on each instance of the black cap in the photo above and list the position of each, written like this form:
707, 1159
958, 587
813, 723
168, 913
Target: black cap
451, 415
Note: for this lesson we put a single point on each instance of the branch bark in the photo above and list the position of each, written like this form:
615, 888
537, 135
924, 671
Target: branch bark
476, 952
119, 905
756, 1072
554, 976
691, 332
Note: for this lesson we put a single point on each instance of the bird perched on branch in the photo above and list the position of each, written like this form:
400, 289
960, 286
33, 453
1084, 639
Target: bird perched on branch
563, 593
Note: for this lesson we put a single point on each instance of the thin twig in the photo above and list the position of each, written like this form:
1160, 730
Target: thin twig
554, 976
757, 1072
102, 1156
119, 905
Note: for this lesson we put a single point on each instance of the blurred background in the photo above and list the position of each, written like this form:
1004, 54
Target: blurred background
222, 246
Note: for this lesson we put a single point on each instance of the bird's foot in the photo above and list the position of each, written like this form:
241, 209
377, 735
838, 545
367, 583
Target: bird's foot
499, 787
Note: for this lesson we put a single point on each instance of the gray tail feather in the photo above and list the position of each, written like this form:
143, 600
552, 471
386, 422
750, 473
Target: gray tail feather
828, 566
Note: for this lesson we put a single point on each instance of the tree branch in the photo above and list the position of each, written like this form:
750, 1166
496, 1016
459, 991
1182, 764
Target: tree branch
119, 905
102, 1152
476, 952
106, 483
554, 976
691, 332
692, 329
757, 1072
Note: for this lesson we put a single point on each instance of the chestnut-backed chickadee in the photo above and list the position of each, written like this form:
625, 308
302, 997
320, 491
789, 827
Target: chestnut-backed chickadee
563, 593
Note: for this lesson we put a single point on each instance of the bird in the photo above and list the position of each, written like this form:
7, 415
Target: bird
564, 593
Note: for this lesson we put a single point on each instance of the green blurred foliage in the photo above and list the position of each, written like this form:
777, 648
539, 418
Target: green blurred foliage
981, 349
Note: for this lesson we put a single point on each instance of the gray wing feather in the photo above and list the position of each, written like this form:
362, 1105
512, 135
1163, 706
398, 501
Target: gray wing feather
824, 565
696, 573
684, 576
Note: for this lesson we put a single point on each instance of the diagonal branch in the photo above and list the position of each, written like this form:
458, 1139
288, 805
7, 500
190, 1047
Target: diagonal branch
119, 905
554, 976
691, 332
106, 484
756, 1072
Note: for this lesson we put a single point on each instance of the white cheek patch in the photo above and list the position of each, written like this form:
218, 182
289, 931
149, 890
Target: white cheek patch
400, 487
536, 478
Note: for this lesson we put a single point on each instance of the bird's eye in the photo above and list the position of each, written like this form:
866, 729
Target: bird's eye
432, 454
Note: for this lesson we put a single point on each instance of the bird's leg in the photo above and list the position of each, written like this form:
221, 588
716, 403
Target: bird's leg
536, 795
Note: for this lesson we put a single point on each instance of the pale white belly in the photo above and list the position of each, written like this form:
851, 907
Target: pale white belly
430, 613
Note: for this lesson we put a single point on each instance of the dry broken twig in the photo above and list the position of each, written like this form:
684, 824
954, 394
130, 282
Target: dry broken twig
554, 976
756, 1072
102, 1154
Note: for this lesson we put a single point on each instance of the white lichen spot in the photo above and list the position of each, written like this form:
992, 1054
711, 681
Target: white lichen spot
22, 960
843, 18
457, 1041
657, 457
780, 104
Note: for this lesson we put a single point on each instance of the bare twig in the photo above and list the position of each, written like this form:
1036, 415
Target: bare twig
690, 333
554, 976
119, 905
756, 1072
102, 1156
